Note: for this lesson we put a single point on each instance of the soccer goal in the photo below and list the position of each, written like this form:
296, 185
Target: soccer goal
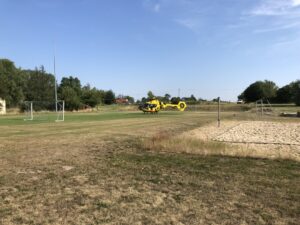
263, 106
44, 110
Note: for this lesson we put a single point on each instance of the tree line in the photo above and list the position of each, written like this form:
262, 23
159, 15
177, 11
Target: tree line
168, 98
266, 89
18, 85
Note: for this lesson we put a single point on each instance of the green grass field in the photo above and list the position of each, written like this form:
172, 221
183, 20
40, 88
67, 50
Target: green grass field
78, 117
97, 168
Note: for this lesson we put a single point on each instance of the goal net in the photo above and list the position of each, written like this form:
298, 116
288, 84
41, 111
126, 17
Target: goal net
263, 107
44, 110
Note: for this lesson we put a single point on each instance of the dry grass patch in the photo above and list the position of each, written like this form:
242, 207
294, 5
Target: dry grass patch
118, 182
215, 190
183, 144
166, 142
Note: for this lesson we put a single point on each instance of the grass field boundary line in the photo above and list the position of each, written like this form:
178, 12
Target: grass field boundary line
258, 143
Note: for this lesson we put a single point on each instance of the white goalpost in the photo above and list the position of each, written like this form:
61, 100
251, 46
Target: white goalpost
60, 111
44, 110
28, 110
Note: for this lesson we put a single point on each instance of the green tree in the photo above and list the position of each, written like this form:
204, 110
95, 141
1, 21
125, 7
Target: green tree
193, 98
167, 97
11, 83
297, 95
175, 100
269, 89
241, 96
17, 85
72, 100
39, 85
285, 94
150, 95
259, 90
109, 97
288, 93
144, 100
91, 96
72, 82
70, 91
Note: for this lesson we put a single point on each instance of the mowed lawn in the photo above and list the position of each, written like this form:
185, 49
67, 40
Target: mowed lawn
95, 169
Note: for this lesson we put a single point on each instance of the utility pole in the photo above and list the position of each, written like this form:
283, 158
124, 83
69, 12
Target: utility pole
262, 107
55, 83
178, 92
219, 120
256, 110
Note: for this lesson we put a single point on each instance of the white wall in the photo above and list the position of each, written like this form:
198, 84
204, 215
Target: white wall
2, 106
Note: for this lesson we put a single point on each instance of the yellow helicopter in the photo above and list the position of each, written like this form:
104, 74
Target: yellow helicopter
154, 106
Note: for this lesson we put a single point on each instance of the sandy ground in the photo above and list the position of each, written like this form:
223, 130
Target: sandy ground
269, 139
263, 133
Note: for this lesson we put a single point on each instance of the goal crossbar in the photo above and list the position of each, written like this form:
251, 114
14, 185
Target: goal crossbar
44, 110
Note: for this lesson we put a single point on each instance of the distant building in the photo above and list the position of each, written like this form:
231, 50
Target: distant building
122, 101
2, 107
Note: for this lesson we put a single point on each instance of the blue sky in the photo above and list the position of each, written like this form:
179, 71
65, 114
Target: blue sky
208, 48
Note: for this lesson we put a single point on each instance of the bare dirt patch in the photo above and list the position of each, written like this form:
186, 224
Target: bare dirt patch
255, 138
